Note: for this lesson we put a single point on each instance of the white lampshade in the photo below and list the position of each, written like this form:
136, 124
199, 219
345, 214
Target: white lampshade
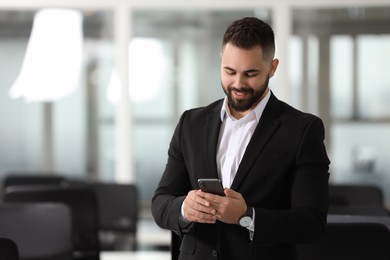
52, 65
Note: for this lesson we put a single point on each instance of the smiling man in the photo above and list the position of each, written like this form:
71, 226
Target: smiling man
270, 158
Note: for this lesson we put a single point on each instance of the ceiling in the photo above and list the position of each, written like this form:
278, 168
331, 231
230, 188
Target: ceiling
315, 21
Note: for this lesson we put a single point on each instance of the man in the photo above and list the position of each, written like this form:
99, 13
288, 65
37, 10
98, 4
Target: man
270, 157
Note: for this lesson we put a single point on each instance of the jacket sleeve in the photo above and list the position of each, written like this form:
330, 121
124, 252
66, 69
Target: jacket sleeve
173, 186
304, 222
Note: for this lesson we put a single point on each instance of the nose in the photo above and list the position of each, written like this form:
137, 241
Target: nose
239, 81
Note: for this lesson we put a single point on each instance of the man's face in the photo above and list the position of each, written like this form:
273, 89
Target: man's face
244, 77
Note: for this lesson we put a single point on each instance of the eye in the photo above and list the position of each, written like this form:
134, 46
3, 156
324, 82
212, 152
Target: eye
230, 72
251, 74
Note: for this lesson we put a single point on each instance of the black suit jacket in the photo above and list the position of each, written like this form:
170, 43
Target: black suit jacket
283, 175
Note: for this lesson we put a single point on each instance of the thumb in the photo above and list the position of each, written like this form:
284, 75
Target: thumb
230, 193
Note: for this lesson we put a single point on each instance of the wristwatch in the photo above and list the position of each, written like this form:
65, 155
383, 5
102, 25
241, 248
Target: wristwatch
246, 220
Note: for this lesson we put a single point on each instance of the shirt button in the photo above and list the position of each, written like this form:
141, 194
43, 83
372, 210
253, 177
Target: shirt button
214, 253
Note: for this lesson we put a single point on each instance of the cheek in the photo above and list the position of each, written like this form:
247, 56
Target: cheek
226, 81
257, 82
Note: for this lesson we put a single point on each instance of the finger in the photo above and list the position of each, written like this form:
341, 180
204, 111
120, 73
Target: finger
198, 204
199, 216
202, 208
210, 197
202, 198
231, 193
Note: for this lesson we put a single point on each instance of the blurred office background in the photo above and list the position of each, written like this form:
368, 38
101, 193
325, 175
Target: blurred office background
335, 60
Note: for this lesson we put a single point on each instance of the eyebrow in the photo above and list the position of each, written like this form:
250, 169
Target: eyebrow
246, 71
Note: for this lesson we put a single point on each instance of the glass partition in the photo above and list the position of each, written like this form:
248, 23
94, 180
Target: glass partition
50, 129
352, 60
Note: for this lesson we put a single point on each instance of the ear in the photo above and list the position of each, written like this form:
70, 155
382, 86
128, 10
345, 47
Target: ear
273, 67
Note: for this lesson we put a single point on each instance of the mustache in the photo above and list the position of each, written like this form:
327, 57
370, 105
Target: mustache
242, 90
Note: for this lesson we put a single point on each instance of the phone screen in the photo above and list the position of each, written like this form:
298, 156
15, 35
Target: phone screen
211, 186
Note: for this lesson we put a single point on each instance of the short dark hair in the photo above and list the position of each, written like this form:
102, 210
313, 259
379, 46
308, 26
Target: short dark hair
250, 32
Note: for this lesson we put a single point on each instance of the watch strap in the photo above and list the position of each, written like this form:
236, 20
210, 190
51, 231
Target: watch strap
249, 211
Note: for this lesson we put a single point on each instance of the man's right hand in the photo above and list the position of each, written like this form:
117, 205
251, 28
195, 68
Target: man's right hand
197, 209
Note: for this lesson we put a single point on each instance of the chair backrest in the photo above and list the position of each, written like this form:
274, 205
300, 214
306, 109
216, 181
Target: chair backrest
40, 230
351, 237
32, 179
355, 195
84, 208
8, 249
334, 218
118, 208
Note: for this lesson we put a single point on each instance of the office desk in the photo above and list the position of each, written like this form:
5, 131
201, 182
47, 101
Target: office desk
138, 255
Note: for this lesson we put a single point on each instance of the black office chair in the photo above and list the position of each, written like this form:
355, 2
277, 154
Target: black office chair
84, 208
356, 200
8, 249
40, 230
13, 179
31, 178
344, 195
118, 215
351, 237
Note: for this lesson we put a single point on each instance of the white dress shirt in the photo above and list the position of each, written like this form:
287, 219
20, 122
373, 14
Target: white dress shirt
234, 137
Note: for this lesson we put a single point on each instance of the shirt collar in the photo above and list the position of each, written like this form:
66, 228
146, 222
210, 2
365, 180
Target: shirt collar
258, 110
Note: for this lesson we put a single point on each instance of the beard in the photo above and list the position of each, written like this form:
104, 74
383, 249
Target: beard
254, 97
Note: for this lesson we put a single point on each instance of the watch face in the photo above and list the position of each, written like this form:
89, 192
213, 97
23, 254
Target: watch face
245, 221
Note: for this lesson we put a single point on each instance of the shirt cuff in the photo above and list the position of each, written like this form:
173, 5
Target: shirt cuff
184, 223
251, 226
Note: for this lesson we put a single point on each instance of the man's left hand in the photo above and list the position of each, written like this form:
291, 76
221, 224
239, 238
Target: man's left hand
228, 209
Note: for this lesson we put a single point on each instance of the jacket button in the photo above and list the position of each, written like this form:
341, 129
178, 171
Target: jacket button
214, 253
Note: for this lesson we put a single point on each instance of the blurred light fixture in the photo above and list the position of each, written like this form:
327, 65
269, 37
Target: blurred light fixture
53, 60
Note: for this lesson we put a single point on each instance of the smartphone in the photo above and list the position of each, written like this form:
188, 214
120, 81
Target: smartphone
211, 186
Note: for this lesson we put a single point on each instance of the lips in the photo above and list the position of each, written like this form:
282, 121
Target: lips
240, 94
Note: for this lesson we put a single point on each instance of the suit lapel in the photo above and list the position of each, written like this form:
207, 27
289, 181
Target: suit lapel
213, 126
267, 126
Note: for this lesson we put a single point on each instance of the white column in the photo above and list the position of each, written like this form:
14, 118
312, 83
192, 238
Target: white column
282, 26
124, 172
48, 138
323, 94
